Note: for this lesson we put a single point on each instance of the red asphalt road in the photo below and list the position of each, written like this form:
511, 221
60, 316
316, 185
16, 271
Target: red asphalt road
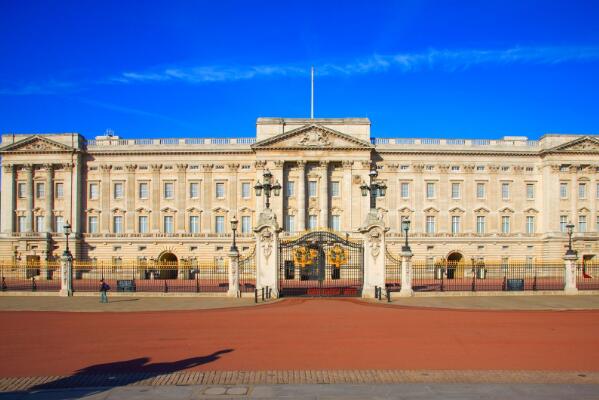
297, 334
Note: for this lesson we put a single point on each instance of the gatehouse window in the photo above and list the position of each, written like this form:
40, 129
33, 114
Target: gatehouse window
40, 190
430, 190
245, 190
21, 222
312, 188
92, 224
530, 224
143, 224
582, 191
455, 190
143, 190
530, 191
194, 190
597, 224
563, 221
194, 224
290, 223
290, 188
430, 224
563, 190
93, 191
597, 191
405, 190
59, 193
505, 224
39, 223
480, 190
455, 224
220, 190
335, 188
219, 224
312, 222
480, 224
336, 222
246, 225
582, 223
168, 224
117, 224
505, 191
59, 224
169, 190
21, 190
118, 190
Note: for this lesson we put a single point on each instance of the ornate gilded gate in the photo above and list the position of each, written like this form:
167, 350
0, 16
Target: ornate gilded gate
321, 264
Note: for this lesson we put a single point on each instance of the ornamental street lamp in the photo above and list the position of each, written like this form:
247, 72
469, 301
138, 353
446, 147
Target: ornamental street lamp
268, 187
376, 188
570, 230
234, 223
405, 226
67, 231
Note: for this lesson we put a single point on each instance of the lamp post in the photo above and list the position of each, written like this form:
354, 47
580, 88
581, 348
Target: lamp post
67, 232
570, 230
234, 223
405, 226
376, 188
268, 187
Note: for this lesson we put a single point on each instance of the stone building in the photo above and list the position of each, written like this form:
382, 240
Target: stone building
172, 199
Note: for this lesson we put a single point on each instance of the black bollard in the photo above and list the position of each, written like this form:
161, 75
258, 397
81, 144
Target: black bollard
388, 296
262, 294
256, 296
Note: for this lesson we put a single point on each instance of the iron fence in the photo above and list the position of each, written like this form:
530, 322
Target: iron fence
587, 275
30, 276
392, 271
488, 276
247, 272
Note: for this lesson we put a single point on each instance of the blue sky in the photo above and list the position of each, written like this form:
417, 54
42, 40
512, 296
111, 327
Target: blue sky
191, 68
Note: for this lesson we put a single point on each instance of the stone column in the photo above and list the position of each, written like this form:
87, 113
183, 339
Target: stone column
68, 190
418, 199
406, 274
392, 197
30, 195
130, 198
233, 192
8, 198
77, 197
66, 275
443, 197
324, 194
180, 197
155, 197
105, 197
49, 206
301, 196
347, 224
234, 274
267, 251
373, 232
277, 202
570, 266
208, 194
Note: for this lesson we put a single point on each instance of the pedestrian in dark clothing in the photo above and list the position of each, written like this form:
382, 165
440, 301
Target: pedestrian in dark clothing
104, 288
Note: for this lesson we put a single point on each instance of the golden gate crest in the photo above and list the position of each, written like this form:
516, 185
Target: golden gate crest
303, 256
337, 256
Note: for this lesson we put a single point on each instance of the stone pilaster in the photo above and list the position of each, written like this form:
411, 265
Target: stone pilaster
30, 196
155, 197
324, 194
301, 196
66, 275
130, 198
233, 274
209, 194
8, 198
49, 206
570, 266
347, 224
181, 196
406, 274
373, 232
105, 198
267, 246
233, 192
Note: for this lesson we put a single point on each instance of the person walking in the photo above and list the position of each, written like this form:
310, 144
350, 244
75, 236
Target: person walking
104, 288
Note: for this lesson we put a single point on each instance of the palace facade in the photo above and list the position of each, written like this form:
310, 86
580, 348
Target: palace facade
173, 199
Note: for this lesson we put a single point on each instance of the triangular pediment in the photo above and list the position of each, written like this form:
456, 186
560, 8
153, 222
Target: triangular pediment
36, 144
584, 144
312, 136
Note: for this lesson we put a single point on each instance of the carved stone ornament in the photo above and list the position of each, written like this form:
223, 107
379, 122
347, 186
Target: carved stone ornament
586, 145
315, 138
374, 239
266, 241
37, 146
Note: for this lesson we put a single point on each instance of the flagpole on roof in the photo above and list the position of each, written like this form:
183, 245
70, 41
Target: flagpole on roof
312, 94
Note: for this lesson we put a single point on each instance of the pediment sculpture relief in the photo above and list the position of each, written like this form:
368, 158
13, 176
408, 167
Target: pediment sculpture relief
315, 138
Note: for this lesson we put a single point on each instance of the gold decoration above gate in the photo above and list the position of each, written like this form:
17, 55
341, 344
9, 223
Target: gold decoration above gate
304, 256
338, 256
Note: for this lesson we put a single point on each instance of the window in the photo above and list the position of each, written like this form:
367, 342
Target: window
530, 191
143, 223
336, 222
92, 224
118, 190
597, 224
505, 191
246, 226
480, 167
405, 190
455, 190
219, 224
117, 224
290, 189
39, 223
312, 222
312, 188
290, 223
169, 190
505, 224
455, 168
194, 224
455, 224
480, 190
582, 190
563, 190
59, 224
404, 167
168, 224
220, 190
430, 190
430, 224
530, 225
582, 223
245, 190
334, 188
597, 192
93, 191
194, 190
563, 221
480, 224
21, 221
143, 190
40, 190
21, 190
59, 193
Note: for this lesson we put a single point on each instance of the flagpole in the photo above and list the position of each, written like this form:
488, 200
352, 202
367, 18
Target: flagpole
312, 95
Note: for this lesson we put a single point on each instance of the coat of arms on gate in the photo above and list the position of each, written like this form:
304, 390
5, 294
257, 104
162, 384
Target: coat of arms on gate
303, 256
338, 256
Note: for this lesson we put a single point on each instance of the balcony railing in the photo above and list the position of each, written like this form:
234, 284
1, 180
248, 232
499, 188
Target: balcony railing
169, 142
455, 142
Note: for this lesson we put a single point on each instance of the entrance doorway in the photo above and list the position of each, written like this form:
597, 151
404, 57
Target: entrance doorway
454, 260
168, 265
